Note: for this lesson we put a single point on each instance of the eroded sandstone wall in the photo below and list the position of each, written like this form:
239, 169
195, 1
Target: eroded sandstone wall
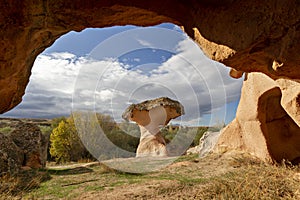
247, 35
265, 126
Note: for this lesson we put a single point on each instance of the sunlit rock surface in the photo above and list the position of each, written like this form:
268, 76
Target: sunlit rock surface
266, 123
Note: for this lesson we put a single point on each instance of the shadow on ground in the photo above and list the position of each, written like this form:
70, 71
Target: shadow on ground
72, 171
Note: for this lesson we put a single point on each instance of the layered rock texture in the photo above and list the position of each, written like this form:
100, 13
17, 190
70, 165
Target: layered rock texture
151, 115
247, 35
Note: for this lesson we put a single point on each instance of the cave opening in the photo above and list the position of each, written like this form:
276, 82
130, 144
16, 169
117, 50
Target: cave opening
54, 73
236, 33
103, 70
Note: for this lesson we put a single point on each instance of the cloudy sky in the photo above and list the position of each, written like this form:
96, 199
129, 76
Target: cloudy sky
105, 70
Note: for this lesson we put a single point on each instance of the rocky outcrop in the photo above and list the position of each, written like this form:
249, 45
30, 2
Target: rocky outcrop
151, 115
266, 123
33, 144
250, 36
11, 157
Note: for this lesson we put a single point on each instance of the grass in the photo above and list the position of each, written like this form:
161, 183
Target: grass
214, 177
191, 157
6, 130
254, 182
26, 181
45, 129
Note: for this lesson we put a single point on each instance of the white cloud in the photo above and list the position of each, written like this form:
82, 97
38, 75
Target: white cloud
188, 76
144, 43
62, 80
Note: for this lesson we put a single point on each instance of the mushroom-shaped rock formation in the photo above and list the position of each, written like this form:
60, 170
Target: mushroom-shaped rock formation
150, 116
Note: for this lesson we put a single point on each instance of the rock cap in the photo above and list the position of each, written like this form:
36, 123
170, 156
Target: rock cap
151, 104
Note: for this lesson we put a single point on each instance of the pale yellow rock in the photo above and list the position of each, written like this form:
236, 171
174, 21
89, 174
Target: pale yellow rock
290, 100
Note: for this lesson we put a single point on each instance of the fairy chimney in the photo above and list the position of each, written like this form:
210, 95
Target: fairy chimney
151, 115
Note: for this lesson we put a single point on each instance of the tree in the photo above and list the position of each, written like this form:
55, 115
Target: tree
55, 121
65, 143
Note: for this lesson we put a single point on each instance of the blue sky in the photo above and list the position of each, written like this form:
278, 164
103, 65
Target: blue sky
107, 69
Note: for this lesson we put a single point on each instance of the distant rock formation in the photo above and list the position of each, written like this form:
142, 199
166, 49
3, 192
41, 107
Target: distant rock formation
150, 116
267, 120
206, 144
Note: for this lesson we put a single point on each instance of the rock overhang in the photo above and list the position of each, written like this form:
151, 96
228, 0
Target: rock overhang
249, 36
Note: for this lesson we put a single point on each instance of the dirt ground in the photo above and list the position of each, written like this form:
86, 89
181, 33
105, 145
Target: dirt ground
189, 177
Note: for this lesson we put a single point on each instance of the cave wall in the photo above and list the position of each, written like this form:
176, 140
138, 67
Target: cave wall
247, 35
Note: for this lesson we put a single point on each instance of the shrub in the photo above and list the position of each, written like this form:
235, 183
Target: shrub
169, 132
6, 130
200, 132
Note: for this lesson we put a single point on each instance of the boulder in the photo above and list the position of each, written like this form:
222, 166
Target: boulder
267, 118
151, 115
30, 140
11, 156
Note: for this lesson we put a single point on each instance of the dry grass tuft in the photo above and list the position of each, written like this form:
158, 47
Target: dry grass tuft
255, 180
25, 181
